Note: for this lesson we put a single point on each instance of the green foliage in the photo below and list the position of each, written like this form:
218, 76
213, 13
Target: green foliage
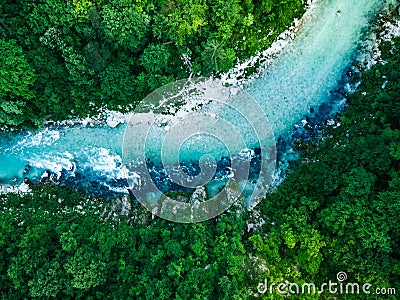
16, 83
184, 20
155, 58
117, 82
82, 7
86, 268
16, 74
124, 26
55, 244
215, 57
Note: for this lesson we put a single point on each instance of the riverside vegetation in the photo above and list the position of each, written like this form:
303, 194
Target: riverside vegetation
63, 59
338, 209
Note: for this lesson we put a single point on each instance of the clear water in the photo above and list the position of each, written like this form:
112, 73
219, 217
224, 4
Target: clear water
302, 76
309, 69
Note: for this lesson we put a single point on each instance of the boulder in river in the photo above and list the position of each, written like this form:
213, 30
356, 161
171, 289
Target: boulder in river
24, 188
27, 168
27, 181
45, 176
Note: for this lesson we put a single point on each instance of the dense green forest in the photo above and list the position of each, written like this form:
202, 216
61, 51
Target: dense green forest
62, 59
337, 211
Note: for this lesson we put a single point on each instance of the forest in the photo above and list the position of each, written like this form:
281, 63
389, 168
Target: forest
338, 210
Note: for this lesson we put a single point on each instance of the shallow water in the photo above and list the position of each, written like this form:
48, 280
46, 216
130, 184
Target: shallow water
304, 74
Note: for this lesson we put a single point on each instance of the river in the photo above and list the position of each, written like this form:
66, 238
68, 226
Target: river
299, 83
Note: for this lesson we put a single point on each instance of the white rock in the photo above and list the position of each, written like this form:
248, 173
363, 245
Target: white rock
24, 188
330, 122
199, 195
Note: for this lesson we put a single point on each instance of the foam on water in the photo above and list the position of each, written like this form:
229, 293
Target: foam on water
67, 152
46, 137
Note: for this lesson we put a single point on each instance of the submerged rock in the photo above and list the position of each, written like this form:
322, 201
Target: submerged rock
27, 168
308, 127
